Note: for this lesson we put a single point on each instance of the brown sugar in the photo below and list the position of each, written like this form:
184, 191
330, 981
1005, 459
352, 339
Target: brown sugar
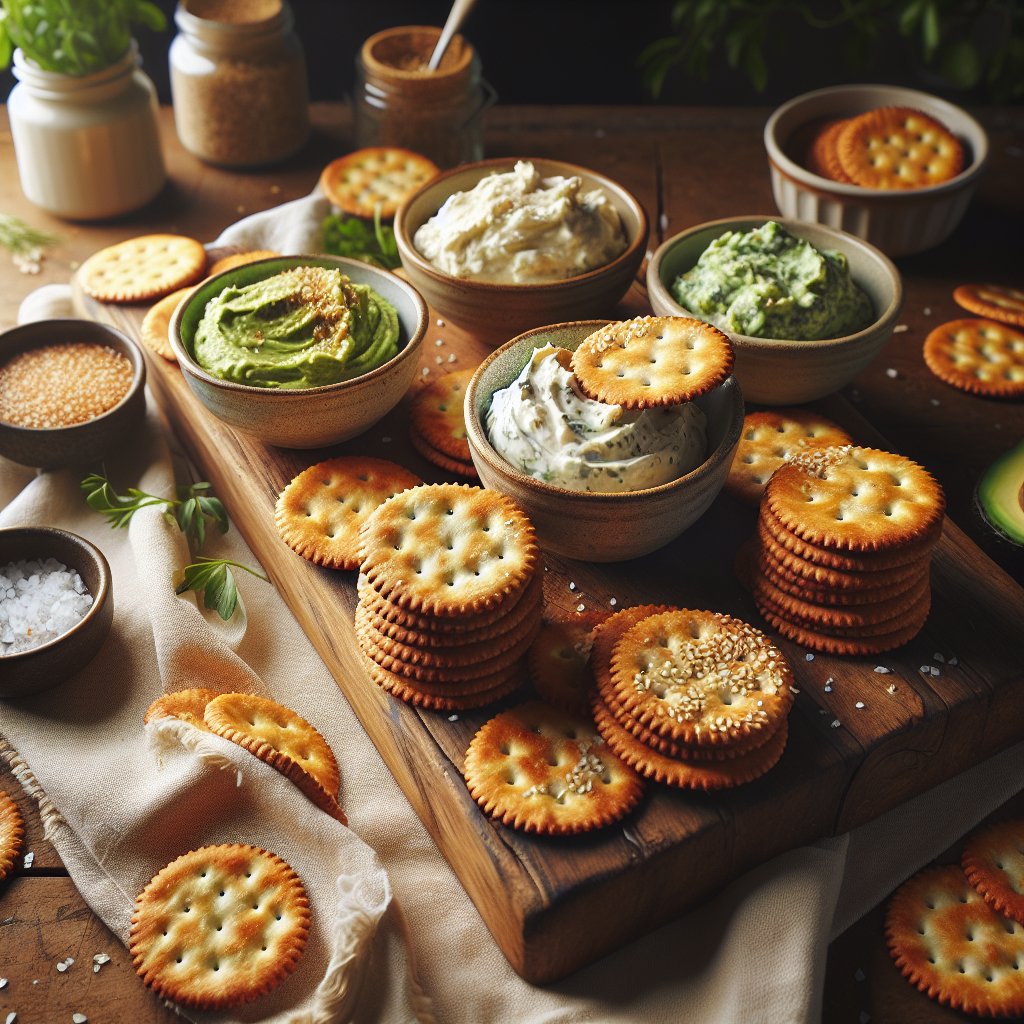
62, 385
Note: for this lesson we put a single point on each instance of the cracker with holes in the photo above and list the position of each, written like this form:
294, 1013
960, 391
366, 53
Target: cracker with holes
239, 259
440, 459
219, 927
189, 705
320, 512
994, 301
138, 269
982, 357
12, 834
436, 415
993, 860
769, 439
448, 550
378, 177
652, 361
558, 660
538, 769
898, 148
155, 324
953, 946
283, 739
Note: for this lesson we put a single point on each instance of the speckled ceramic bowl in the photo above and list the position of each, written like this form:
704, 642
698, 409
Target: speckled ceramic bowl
900, 222
304, 417
599, 527
496, 312
780, 372
83, 443
51, 663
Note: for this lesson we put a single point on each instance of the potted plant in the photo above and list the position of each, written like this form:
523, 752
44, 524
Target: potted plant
83, 114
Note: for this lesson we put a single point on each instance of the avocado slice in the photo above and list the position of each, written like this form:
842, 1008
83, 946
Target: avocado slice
1000, 494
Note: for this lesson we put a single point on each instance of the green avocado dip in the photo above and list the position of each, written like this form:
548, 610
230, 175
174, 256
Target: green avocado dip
302, 328
767, 284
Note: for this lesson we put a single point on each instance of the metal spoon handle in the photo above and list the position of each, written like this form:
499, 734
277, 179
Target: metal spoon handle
456, 16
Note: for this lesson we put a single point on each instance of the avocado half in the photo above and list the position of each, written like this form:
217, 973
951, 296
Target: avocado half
1000, 494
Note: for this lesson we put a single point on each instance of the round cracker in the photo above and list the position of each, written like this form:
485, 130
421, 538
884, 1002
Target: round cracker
189, 705
320, 512
239, 259
608, 633
219, 926
538, 769
993, 860
12, 834
157, 321
982, 357
454, 697
437, 415
652, 361
142, 268
559, 661
822, 158
377, 177
994, 301
442, 461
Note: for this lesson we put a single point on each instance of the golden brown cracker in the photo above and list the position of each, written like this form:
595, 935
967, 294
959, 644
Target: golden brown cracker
219, 927
155, 324
993, 301
822, 158
441, 460
377, 177
12, 834
437, 416
189, 705
558, 660
993, 860
142, 268
982, 357
453, 697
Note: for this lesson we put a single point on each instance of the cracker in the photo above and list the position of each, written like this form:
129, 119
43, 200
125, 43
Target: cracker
953, 946
138, 269
378, 177
239, 259
283, 739
768, 439
448, 549
441, 460
558, 660
189, 705
982, 357
608, 633
12, 834
219, 927
993, 860
831, 643
320, 512
157, 321
538, 769
855, 499
652, 361
437, 415
447, 697
994, 301
898, 148
822, 158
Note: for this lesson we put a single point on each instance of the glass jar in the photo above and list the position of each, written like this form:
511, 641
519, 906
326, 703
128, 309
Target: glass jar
398, 102
87, 146
238, 81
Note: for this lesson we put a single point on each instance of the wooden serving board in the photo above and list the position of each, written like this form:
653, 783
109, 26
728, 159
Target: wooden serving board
553, 905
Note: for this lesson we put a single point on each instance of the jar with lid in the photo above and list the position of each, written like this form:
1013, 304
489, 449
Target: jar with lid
397, 101
238, 81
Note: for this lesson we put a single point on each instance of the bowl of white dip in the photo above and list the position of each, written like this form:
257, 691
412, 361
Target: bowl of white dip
502, 246
599, 483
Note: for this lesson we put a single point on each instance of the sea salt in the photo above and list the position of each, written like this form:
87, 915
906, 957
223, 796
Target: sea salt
39, 601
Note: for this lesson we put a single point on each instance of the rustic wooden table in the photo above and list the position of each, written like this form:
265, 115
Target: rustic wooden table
685, 166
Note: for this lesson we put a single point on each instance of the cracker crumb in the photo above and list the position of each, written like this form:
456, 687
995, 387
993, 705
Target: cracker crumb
891, 688
954, 661
900, 328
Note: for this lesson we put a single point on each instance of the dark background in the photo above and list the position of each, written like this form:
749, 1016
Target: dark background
573, 51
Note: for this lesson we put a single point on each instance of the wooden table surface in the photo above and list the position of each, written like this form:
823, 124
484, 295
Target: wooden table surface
686, 166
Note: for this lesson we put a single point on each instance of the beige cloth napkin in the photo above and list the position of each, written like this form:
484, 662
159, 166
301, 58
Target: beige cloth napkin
118, 804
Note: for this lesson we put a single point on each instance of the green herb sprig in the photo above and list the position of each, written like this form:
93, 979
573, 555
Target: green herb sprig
212, 577
352, 237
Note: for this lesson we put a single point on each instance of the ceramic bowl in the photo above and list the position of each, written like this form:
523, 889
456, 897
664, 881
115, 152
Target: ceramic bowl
496, 312
304, 417
900, 222
51, 663
778, 372
589, 526
85, 442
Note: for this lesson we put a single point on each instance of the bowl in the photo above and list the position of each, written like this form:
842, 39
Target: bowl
303, 417
51, 663
779, 372
493, 313
592, 526
900, 222
56, 447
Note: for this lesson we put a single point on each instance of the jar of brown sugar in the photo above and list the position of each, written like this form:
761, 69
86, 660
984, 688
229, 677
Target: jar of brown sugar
398, 101
238, 81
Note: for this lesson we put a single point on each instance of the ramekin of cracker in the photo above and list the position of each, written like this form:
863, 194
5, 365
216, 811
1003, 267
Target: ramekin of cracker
895, 166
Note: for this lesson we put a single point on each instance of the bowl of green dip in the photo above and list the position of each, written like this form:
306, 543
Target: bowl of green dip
302, 351
806, 307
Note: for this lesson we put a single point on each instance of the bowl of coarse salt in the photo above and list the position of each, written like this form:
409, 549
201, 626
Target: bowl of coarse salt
56, 606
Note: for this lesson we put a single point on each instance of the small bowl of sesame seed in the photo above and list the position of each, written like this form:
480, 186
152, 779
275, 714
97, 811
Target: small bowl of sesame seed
70, 391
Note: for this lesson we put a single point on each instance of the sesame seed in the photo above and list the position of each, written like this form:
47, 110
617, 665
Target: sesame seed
572, 585
891, 688
859, 705
613, 601
581, 607
954, 661
425, 371
452, 358
835, 723
891, 373
439, 342
439, 360
440, 323
900, 328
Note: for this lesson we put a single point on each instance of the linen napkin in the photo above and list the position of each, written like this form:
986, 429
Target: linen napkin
756, 951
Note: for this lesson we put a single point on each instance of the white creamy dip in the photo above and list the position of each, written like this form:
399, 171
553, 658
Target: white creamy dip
545, 426
520, 228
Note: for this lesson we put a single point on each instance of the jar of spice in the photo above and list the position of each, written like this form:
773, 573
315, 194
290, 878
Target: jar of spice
397, 101
238, 81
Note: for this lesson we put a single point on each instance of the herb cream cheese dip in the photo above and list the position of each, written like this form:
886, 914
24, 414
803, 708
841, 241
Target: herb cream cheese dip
766, 283
545, 426
302, 328
520, 228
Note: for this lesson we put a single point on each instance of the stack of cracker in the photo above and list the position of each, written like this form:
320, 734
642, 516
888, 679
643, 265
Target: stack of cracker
450, 595
841, 559
694, 699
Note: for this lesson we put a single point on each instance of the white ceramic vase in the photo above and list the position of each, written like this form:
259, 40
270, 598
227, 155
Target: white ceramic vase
87, 146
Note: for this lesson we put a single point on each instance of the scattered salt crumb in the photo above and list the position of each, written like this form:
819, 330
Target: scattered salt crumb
439, 322
939, 657
600, 133
572, 585
900, 328
822, 711
452, 358
934, 401
3, 983
859, 705
238, 779
933, 669
792, 690
581, 607
11, 1018
613, 601
385, 440
891, 688
858, 975
835, 723
663, 222
828, 684
439, 342
882, 670
453, 718
29, 858
892, 373
425, 371
954, 661
864, 1017
809, 657
78, 1018
927, 310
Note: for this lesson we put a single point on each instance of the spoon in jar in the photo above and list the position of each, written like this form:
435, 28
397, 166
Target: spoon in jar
456, 16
